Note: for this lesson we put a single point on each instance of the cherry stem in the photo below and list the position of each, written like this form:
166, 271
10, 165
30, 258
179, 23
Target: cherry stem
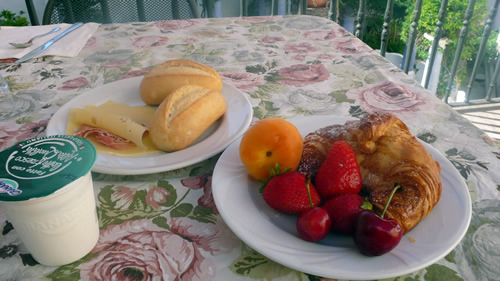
309, 193
389, 201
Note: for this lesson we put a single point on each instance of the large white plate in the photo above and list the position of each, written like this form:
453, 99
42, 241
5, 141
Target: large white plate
232, 125
274, 235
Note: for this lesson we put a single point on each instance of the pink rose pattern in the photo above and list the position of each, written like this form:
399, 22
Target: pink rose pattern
123, 196
300, 75
140, 250
74, 84
320, 35
205, 182
146, 42
10, 136
352, 46
133, 73
271, 39
300, 48
157, 196
390, 97
244, 81
176, 24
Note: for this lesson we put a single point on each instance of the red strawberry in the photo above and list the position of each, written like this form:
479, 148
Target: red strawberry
343, 211
340, 173
289, 193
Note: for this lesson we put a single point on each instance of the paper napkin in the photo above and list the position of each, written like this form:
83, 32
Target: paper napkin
68, 46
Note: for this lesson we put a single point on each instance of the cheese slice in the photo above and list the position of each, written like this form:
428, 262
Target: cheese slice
129, 122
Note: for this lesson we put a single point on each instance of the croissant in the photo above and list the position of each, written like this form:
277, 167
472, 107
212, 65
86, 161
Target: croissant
387, 154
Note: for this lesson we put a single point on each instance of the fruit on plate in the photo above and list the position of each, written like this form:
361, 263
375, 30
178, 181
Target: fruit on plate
387, 153
343, 211
290, 193
267, 142
339, 173
314, 224
375, 235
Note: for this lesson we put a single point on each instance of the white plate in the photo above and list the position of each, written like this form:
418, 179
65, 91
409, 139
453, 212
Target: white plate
274, 235
232, 125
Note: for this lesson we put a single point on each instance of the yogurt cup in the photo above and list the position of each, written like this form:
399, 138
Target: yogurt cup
46, 191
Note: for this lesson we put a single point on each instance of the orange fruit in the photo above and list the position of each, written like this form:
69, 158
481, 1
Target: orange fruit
270, 141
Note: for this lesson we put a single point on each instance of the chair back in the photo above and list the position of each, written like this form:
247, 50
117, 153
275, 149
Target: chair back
274, 7
115, 11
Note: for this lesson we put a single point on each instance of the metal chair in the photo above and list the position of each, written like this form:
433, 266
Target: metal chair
278, 7
114, 11
259, 7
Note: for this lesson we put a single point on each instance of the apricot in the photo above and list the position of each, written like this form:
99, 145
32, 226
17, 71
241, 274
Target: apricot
270, 141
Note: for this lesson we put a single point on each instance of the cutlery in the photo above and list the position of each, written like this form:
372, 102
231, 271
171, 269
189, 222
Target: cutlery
38, 50
30, 42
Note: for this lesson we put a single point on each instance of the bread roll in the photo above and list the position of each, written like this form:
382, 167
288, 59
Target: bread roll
165, 78
184, 115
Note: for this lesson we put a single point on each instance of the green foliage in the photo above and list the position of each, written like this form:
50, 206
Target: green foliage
402, 17
8, 18
452, 27
374, 20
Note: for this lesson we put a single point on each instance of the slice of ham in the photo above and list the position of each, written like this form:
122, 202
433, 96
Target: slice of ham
105, 137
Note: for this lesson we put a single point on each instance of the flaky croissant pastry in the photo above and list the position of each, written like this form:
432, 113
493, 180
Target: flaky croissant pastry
387, 153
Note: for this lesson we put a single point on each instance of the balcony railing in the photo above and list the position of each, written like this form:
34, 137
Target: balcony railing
491, 91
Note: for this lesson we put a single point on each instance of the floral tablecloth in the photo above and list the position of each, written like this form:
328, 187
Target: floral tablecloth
165, 226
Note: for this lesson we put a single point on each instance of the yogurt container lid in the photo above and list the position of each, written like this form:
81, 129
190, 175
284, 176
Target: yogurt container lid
39, 167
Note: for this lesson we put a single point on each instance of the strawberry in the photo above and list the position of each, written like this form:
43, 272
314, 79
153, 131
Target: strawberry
339, 173
343, 211
290, 193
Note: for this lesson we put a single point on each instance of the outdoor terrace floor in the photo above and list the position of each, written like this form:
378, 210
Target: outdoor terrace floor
486, 117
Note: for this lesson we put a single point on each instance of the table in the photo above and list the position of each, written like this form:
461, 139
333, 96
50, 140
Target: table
288, 66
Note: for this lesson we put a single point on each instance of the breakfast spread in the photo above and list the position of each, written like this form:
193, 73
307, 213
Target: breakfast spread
46, 191
368, 178
189, 99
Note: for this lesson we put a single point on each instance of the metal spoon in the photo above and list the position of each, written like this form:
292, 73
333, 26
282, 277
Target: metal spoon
30, 42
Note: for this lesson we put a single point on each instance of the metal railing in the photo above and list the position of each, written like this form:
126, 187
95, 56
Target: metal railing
491, 94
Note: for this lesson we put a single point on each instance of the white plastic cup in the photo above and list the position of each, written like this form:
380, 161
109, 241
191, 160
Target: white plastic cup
46, 191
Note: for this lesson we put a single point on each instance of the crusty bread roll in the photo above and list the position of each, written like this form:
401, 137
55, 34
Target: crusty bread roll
165, 78
184, 115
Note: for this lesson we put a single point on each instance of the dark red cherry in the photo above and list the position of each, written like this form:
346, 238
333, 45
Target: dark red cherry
314, 224
375, 235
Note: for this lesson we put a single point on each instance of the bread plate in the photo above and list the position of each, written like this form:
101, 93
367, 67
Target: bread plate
274, 234
223, 132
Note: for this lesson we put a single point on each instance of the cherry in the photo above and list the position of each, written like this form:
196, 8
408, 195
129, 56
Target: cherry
374, 235
314, 224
